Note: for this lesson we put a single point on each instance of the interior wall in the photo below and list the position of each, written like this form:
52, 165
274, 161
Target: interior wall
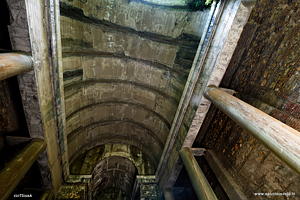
264, 72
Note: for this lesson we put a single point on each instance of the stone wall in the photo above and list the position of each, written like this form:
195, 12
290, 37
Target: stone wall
125, 66
264, 72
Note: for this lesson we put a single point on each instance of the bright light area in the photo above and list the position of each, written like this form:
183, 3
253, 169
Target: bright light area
167, 2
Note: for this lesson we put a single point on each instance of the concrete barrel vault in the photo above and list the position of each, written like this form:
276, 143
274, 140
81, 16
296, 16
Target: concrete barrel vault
124, 70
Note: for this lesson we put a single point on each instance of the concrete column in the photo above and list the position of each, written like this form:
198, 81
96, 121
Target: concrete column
198, 180
283, 140
12, 64
13, 173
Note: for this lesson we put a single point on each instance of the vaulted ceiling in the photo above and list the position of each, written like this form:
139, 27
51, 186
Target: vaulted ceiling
125, 65
128, 94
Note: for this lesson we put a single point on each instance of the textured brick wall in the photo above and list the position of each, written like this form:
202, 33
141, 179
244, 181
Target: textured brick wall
265, 73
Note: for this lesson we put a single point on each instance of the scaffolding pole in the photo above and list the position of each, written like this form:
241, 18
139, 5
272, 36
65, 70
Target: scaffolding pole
283, 140
12, 64
13, 173
198, 180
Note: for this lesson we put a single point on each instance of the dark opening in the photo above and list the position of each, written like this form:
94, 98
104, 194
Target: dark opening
5, 20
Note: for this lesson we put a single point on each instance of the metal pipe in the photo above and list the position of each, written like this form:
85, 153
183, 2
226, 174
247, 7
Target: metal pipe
198, 180
13, 173
47, 195
168, 193
283, 140
12, 64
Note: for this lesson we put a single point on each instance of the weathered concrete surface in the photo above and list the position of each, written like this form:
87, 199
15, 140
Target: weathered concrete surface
264, 72
114, 128
143, 18
125, 65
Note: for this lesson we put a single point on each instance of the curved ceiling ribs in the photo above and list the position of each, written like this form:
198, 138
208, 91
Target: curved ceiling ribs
88, 82
152, 150
79, 131
112, 140
124, 69
84, 164
93, 53
115, 101
138, 120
